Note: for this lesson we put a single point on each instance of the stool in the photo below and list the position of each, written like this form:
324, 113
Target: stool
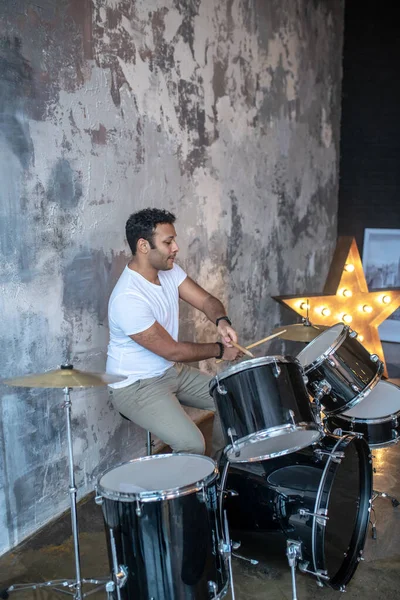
149, 444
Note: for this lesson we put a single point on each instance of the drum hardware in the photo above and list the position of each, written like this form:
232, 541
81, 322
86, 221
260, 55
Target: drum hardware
234, 438
321, 516
276, 370
323, 388
320, 574
341, 432
213, 589
353, 334
220, 389
293, 553
67, 378
226, 551
120, 572
374, 358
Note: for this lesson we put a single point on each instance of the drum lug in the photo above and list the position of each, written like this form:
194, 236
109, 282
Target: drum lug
276, 369
355, 387
323, 388
319, 574
233, 437
202, 496
98, 499
334, 456
395, 421
220, 388
321, 515
122, 576
374, 357
138, 508
353, 334
332, 363
212, 589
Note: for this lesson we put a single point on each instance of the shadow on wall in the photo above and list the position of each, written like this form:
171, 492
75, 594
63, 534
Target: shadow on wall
391, 351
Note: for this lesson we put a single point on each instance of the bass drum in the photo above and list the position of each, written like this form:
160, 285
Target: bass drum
319, 496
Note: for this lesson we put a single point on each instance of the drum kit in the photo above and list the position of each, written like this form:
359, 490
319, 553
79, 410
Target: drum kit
296, 466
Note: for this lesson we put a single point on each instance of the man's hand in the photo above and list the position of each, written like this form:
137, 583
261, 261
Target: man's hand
227, 333
231, 353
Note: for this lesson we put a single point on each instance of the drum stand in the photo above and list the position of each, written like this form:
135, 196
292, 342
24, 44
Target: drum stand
222, 513
375, 495
72, 587
293, 553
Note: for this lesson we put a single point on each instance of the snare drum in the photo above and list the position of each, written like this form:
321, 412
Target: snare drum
162, 531
377, 417
340, 370
264, 408
319, 497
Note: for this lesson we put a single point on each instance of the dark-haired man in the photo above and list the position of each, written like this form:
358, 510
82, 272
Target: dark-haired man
143, 315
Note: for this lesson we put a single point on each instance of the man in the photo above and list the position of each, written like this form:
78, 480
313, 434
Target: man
143, 317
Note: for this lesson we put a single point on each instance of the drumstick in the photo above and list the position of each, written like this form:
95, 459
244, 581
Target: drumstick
265, 339
270, 337
244, 350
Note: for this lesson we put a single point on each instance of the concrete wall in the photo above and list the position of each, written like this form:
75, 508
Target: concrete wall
226, 112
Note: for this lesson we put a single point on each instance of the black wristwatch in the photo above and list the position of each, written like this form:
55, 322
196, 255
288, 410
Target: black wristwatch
221, 350
227, 319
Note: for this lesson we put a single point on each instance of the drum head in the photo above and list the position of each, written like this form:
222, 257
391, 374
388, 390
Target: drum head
270, 444
157, 476
383, 401
247, 364
321, 344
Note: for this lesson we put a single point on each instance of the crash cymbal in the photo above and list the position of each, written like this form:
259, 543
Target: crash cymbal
67, 376
300, 332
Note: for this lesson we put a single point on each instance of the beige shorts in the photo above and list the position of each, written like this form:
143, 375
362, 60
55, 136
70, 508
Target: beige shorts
156, 405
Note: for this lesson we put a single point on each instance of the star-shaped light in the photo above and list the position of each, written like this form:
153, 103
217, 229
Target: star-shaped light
347, 299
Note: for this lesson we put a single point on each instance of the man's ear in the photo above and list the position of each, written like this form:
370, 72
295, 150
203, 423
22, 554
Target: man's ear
143, 246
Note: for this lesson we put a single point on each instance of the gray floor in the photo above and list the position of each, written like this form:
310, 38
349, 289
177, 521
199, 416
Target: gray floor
49, 555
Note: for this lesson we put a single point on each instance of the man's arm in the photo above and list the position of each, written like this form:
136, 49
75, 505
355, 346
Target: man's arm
194, 294
158, 340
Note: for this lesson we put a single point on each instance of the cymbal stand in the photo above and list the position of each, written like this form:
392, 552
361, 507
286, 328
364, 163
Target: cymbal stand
72, 587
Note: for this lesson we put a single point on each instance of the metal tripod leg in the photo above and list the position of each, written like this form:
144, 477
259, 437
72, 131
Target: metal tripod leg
372, 519
293, 553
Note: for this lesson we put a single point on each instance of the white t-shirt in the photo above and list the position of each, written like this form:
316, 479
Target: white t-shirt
135, 305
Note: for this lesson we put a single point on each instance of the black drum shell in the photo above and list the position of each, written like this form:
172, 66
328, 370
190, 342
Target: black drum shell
271, 493
256, 400
377, 434
170, 549
349, 369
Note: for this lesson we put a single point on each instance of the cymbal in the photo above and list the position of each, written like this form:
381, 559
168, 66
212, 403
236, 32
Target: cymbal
300, 332
67, 376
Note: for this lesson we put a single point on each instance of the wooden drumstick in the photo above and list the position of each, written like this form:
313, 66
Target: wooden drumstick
245, 350
270, 337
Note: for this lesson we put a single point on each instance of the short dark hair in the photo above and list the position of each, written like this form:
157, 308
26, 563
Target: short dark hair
142, 224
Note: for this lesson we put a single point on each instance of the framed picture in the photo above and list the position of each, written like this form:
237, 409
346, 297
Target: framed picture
381, 263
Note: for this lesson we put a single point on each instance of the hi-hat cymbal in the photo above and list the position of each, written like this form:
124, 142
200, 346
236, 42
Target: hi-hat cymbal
300, 332
67, 376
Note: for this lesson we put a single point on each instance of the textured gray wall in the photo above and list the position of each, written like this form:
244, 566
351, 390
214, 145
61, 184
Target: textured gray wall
226, 112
